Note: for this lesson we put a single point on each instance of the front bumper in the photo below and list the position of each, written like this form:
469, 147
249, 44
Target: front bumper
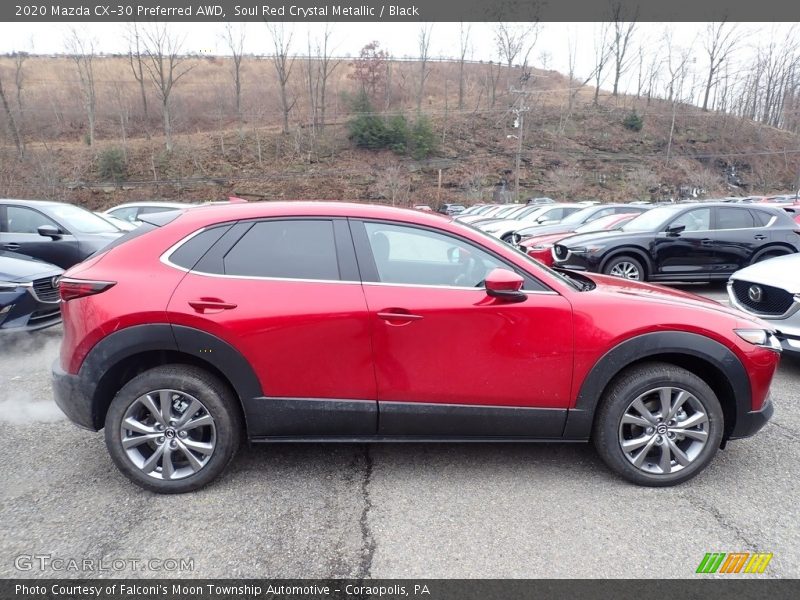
750, 423
73, 397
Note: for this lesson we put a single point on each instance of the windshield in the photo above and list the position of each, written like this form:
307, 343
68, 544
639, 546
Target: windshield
532, 211
81, 220
493, 241
651, 220
600, 224
579, 217
506, 210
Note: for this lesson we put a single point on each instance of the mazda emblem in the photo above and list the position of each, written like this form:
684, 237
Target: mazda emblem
755, 293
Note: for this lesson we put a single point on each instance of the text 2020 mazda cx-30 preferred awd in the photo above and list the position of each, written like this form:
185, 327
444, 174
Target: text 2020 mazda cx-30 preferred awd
339, 322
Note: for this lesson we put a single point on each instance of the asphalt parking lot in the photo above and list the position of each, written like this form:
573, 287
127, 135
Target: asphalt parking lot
416, 510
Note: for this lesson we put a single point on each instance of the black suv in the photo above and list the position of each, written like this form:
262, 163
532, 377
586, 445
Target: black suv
686, 242
54, 232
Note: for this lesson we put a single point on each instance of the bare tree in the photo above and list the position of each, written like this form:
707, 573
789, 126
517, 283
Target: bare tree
326, 68
12, 124
515, 42
424, 54
81, 50
165, 67
234, 39
282, 42
136, 60
719, 43
394, 185
464, 45
622, 33
602, 52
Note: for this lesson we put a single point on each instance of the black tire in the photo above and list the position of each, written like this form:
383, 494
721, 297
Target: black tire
508, 238
224, 434
609, 429
624, 263
769, 253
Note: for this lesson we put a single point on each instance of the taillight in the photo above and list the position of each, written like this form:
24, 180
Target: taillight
69, 288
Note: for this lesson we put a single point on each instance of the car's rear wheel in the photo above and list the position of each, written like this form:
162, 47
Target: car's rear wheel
770, 253
508, 238
173, 429
658, 425
625, 267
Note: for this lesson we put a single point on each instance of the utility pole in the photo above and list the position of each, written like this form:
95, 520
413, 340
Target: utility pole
519, 122
519, 111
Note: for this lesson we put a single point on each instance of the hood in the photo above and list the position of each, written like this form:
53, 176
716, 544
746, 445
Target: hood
544, 239
781, 272
648, 292
496, 224
599, 237
18, 267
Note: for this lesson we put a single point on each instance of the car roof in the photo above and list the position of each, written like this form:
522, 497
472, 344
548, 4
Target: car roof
304, 208
33, 203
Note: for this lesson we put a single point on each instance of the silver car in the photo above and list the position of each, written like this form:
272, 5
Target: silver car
771, 290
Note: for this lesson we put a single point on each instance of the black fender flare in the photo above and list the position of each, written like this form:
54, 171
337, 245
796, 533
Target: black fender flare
772, 247
634, 251
581, 418
138, 339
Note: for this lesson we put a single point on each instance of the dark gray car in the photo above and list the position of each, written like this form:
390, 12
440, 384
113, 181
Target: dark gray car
54, 232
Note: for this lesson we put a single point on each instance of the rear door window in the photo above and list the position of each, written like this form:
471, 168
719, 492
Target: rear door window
285, 249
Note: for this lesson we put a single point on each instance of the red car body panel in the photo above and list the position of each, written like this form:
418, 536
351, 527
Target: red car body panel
466, 348
297, 345
491, 341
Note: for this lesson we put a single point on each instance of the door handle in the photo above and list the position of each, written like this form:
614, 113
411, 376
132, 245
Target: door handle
759, 236
398, 315
706, 241
11, 246
210, 305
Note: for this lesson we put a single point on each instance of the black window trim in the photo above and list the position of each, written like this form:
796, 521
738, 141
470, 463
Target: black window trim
369, 270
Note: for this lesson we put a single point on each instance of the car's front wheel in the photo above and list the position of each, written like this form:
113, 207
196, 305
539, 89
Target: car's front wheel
658, 425
173, 429
625, 267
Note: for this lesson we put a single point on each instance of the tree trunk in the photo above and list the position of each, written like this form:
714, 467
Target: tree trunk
167, 124
12, 124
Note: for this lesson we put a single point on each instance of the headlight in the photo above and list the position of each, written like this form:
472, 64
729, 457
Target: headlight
586, 249
542, 247
759, 337
8, 285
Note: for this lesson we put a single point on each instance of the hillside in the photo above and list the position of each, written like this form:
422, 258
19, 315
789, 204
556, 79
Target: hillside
582, 153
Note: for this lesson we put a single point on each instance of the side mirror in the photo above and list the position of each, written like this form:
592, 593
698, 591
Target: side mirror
675, 231
505, 285
49, 231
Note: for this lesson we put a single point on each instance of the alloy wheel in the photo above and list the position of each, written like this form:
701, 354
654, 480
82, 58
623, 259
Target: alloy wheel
664, 430
168, 434
626, 270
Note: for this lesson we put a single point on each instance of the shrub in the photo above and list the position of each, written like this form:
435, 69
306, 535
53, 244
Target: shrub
112, 164
633, 122
422, 139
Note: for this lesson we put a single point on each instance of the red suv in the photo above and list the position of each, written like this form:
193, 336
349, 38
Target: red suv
337, 322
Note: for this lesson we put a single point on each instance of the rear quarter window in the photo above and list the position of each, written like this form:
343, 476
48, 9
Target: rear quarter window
192, 250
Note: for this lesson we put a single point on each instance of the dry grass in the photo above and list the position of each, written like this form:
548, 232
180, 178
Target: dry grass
584, 154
